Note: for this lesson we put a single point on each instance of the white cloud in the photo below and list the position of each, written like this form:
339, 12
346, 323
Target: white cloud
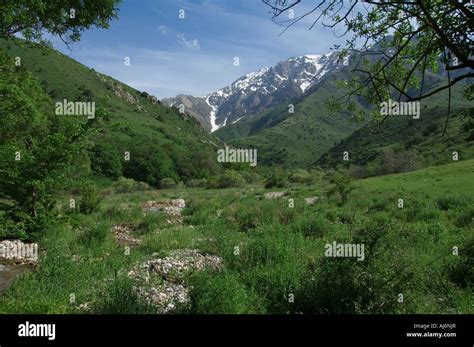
163, 29
192, 44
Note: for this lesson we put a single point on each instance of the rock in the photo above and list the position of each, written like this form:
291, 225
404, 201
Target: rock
84, 307
170, 270
172, 208
274, 195
166, 296
181, 262
311, 200
122, 235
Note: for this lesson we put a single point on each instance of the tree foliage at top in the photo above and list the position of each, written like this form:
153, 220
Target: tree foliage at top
66, 19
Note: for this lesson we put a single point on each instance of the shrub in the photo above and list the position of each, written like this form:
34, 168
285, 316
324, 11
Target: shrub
221, 293
167, 183
151, 222
17, 224
397, 161
465, 217
121, 298
358, 171
462, 273
149, 164
300, 176
313, 225
379, 204
128, 185
94, 233
105, 160
196, 183
89, 199
450, 202
250, 176
228, 179
331, 289
278, 179
342, 185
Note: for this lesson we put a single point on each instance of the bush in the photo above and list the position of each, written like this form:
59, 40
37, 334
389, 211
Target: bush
121, 298
250, 176
196, 183
149, 164
228, 179
398, 161
278, 179
465, 217
89, 199
94, 233
462, 273
300, 176
128, 185
167, 183
17, 224
151, 222
220, 294
106, 161
451, 202
313, 225
358, 171
342, 185
331, 289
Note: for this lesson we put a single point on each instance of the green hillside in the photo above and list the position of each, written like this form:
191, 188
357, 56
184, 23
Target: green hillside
159, 139
418, 140
293, 140
455, 178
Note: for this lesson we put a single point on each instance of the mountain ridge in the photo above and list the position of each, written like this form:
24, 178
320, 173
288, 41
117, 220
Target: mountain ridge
258, 91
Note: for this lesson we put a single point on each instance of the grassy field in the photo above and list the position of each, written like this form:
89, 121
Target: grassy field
273, 254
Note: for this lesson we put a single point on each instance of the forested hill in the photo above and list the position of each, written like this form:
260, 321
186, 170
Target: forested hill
162, 142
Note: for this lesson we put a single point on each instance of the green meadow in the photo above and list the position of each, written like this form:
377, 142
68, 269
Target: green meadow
418, 256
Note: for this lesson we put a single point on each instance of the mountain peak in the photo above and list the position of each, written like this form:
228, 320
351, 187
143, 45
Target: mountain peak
257, 91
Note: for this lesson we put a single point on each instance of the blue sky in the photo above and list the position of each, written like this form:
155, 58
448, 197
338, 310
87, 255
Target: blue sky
194, 55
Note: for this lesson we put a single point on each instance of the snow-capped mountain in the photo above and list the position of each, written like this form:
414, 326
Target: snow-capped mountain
257, 91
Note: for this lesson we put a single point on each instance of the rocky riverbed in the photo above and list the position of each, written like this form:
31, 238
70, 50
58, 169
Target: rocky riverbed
160, 280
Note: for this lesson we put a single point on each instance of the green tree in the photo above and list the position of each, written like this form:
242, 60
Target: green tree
37, 147
149, 164
105, 160
33, 19
342, 185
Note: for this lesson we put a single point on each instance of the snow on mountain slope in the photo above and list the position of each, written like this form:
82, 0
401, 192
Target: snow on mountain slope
257, 91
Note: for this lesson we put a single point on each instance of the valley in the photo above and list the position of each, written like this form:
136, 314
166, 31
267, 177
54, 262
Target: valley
324, 180
243, 244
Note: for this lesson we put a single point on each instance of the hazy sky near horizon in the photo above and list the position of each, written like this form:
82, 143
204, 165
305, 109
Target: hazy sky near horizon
194, 55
